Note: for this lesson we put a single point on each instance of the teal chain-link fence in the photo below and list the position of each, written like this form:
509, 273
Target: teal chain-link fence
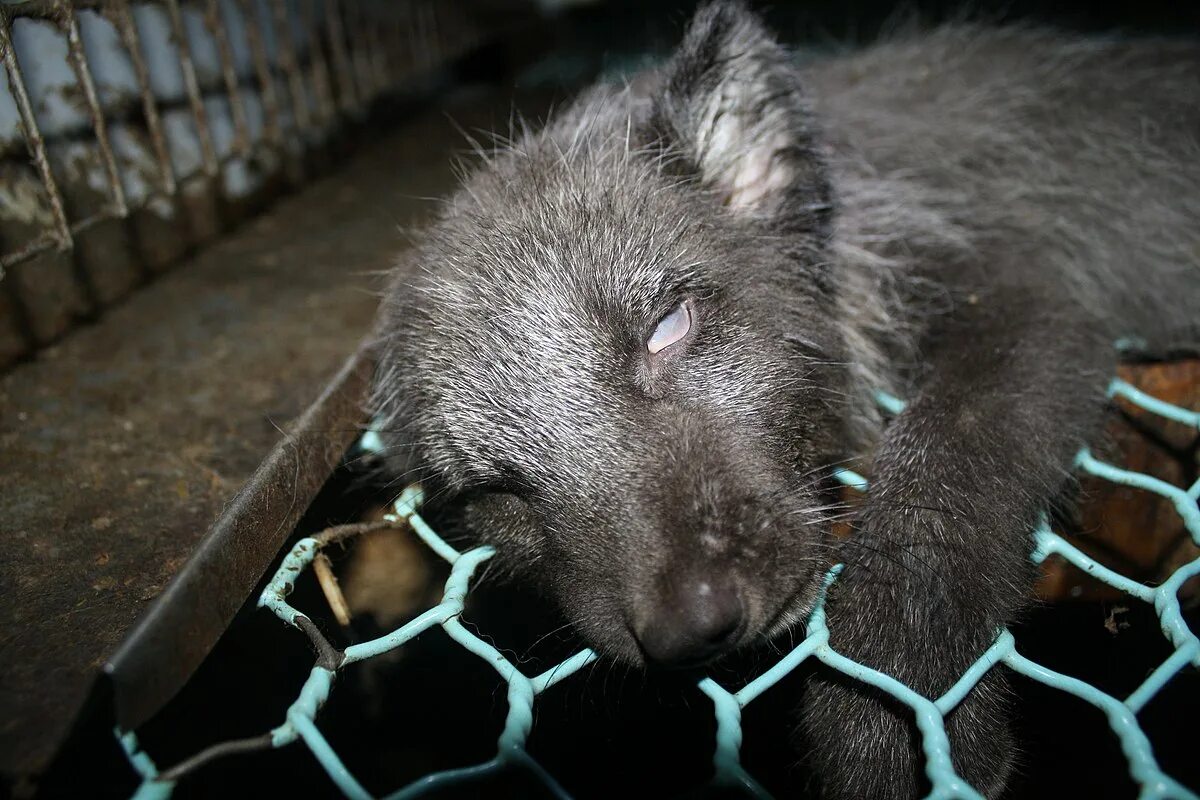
300, 719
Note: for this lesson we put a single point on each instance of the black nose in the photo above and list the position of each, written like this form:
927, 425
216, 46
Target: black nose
690, 624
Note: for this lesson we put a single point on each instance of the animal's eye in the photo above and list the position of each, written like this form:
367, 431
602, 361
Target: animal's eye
671, 329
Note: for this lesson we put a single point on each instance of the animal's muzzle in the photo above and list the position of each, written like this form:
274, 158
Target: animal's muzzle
690, 622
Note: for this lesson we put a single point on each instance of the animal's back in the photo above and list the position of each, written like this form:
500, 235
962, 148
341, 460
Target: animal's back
1018, 155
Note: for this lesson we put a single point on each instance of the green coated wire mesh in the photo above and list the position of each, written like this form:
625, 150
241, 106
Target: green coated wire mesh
522, 690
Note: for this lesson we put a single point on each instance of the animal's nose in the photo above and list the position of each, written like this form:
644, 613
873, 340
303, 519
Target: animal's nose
691, 624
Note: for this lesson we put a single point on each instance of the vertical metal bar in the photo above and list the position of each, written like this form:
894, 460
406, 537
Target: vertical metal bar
321, 81
347, 97
287, 59
33, 136
241, 130
130, 38
209, 156
83, 74
266, 81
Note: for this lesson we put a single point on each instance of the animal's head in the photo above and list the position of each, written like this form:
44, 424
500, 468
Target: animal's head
617, 349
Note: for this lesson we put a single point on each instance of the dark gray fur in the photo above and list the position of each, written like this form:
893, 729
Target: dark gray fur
967, 218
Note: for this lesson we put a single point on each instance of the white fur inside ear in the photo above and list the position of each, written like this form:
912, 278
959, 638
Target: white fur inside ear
760, 176
740, 153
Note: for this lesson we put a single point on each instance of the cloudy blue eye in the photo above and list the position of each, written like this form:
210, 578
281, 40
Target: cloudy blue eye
671, 329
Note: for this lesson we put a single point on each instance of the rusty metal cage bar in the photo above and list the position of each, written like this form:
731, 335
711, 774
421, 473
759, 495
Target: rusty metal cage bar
37, 148
287, 60
83, 74
237, 109
192, 87
272, 124
122, 19
332, 58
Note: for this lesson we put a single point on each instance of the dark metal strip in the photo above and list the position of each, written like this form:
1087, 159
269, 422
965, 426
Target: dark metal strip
170, 641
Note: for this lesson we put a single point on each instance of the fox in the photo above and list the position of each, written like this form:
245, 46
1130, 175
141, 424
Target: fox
634, 345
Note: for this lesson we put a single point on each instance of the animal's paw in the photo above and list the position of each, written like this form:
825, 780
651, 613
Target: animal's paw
863, 744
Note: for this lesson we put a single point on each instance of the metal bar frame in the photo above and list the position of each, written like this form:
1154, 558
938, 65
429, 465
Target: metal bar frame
122, 18
83, 74
191, 85
237, 109
33, 138
291, 67
354, 56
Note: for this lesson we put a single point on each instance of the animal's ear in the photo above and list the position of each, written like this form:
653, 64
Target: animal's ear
731, 104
